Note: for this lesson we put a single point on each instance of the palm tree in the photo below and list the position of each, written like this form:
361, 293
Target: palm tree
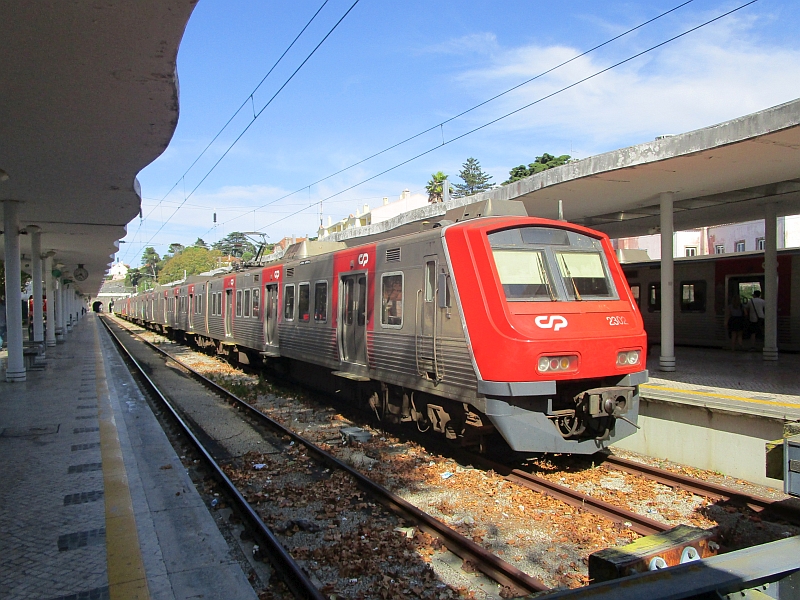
435, 187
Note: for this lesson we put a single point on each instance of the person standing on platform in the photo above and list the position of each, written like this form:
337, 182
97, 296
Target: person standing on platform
755, 313
736, 322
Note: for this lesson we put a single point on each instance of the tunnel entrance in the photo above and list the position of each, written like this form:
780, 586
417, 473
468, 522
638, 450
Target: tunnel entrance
97, 306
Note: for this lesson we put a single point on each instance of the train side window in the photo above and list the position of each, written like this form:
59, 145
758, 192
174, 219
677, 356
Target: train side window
693, 296
392, 300
430, 280
321, 301
256, 302
303, 302
247, 303
288, 302
636, 292
654, 297
238, 303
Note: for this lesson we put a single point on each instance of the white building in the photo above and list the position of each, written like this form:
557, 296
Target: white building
118, 271
366, 216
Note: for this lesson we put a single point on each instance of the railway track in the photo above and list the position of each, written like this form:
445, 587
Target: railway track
296, 579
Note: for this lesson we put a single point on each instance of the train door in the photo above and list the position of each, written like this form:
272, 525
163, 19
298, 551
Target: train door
744, 285
228, 313
427, 321
353, 319
271, 314
190, 311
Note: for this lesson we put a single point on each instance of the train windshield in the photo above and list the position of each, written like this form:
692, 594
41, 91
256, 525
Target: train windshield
544, 263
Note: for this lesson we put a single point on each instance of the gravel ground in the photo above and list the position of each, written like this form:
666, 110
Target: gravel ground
538, 534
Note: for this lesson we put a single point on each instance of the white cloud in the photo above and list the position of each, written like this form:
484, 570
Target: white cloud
705, 78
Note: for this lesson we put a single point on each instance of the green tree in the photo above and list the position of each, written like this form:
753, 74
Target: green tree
200, 243
192, 260
151, 261
175, 249
235, 244
435, 187
542, 163
475, 180
133, 277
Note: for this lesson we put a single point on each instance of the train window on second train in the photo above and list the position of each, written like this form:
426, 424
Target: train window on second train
288, 303
693, 296
430, 280
303, 302
238, 303
392, 300
246, 307
256, 302
321, 301
654, 297
636, 292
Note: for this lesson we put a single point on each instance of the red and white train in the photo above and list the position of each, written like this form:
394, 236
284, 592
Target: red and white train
503, 323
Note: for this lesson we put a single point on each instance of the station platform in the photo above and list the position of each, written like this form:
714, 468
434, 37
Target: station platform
94, 502
737, 382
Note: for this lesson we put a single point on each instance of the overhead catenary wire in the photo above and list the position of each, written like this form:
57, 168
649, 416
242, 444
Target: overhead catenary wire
250, 98
515, 111
469, 110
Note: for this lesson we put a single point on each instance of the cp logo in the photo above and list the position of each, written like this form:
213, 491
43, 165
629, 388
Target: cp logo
363, 259
276, 274
554, 322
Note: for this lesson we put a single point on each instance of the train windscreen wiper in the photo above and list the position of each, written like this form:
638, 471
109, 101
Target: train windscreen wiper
568, 274
543, 275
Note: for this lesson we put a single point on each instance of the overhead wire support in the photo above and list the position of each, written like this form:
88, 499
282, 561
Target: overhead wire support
515, 111
462, 113
258, 114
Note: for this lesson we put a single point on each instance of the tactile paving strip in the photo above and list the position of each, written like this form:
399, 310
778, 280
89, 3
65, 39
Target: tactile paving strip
79, 539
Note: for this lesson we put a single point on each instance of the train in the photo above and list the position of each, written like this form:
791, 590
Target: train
704, 287
486, 322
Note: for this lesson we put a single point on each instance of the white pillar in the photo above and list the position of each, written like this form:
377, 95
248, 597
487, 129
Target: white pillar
667, 359
60, 311
770, 283
68, 308
15, 368
50, 334
36, 275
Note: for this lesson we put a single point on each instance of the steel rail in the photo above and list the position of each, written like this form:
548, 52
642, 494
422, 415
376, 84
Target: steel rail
706, 489
636, 522
488, 563
292, 574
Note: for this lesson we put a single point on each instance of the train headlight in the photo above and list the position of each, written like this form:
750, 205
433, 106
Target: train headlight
557, 364
629, 357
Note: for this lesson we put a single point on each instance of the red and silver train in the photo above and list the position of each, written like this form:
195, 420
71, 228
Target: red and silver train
504, 323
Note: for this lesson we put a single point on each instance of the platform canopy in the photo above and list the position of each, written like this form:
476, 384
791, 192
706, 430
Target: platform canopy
725, 173
89, 98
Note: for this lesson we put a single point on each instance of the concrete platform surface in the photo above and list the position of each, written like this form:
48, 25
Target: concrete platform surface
94, 502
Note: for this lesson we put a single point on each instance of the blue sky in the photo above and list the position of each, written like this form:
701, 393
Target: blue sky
393, 69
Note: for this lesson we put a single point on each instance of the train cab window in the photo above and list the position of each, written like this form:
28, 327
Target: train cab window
303, 302
693, 296
321, 301
654, 297
392, 300
256, 301
636, 292
238, 303
246, 307
584, 274
430, 280
288, 302
523, 274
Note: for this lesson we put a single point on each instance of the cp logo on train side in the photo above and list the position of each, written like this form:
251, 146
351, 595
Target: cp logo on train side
363, 259
554, 322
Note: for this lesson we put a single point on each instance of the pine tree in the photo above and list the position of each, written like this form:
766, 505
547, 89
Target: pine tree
475, 180
542, 163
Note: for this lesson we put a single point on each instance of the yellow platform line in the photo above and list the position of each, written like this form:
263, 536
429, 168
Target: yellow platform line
127, 579
722, 396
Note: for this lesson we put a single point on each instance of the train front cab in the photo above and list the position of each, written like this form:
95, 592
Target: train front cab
557, 341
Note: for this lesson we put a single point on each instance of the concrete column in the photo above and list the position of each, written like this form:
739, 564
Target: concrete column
15, 368
36, 276
770, 283
68, 293
60, 311
666, 361
49, 290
